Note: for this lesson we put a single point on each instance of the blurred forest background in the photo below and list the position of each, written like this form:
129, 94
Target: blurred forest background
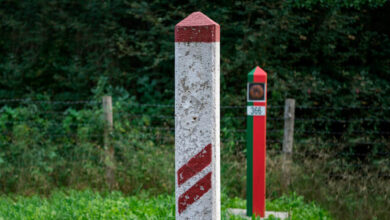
59, 57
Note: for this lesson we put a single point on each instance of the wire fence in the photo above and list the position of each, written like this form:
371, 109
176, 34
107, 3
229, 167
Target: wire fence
341, 137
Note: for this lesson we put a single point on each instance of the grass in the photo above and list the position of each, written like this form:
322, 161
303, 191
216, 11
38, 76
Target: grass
358, 194
39, 155
87, 204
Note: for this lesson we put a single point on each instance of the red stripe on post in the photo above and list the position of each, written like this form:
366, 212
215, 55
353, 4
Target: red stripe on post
195, 192
197, 27
194, 165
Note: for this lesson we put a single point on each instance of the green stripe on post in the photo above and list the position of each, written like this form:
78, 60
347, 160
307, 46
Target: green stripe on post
249, 154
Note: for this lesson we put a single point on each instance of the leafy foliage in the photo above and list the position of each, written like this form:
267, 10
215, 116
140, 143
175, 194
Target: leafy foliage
86, 204
333, 57
43, 149
63, 48
322, 53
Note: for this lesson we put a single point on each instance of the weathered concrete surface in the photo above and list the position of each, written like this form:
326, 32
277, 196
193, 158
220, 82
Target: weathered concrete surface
242, 213
196, 127
197, 118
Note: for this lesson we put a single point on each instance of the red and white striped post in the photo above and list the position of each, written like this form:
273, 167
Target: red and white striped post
256, 136
197, 130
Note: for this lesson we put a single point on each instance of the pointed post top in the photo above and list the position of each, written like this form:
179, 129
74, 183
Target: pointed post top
257, 71
196, 19
197, 27
257, 75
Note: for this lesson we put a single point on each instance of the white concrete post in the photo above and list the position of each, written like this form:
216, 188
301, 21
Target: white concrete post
197, 150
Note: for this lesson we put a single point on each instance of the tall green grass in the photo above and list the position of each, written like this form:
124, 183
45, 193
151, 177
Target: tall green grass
40, 152
87, 204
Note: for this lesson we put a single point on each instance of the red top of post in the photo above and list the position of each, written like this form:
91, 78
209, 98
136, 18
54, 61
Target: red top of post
259, 75
197, 27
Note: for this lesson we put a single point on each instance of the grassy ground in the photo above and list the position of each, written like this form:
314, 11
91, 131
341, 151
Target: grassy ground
40, 154
86, 204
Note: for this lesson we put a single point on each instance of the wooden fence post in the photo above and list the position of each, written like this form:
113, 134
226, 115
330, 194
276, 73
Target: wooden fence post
108, 147
197, 152
288, 138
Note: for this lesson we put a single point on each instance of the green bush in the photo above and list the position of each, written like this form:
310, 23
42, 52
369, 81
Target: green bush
64, 48
42, 149
330, 55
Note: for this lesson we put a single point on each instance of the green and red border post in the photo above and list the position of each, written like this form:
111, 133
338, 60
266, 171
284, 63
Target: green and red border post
256, 138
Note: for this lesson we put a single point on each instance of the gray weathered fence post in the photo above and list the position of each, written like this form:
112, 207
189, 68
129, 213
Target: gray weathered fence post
108, 147
288, 138
197, 149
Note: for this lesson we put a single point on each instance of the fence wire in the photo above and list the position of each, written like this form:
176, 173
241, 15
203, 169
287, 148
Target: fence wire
135, 122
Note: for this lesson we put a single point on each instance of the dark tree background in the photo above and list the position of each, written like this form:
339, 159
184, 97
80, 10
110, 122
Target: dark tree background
332, 57
61, 49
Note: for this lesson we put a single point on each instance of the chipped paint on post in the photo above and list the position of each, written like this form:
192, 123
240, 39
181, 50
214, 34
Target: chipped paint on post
197, 118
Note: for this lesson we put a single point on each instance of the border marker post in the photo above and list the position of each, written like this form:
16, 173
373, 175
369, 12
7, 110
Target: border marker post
197, 143
256, 137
